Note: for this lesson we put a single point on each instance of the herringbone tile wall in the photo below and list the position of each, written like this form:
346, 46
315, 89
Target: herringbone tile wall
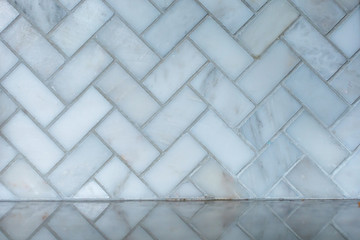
195, 99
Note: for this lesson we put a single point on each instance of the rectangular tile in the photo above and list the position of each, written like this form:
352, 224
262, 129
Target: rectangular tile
40, 101
348, 130
317, 142
221, 184
78, 27
174, 165
221, 93
324, 14
341, 35
121, 183
314, 48
348, 177
231, 13
43, 14
69, 4
79, 165
80, 71
7, 153
8, 14
7, 59
25, 183
256, 4
174, 118
273, 19
264, 74
220, 140
177, 68
348, 4
163, 4
7, 106
221, 48
130, 50
312, 182
323, 102
127, 94
36, 50
269, 118
173, 25
80, 118
346, 80
127, 141
138, 13
32, 142
272, 164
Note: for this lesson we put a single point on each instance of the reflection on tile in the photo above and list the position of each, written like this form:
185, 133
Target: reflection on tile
330, 220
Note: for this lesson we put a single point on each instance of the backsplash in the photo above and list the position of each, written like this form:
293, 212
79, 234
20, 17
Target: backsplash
184, 99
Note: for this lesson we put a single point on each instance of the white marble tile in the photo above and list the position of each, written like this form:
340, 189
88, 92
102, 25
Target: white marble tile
128, 48
174, 165
78, 27
220, 140
127, 94
314, 48
317, 142
348, 4
220, 92
69, 4
177, 68
348, 178
44, 14
163, 4
32, 142
127, 141
80, 71
256, 4
262, 77
25, 183
7, 153
7, 59
325, 14
173, 25
312, 182
7, 106
119, 219
69, 224
283, 191
270, 166
341, 35
5, 194
216, 182
234, 233
323, 102
232, 13
172, 225
91, 190
33, 48
121, 183
267, 26
43, 234
348, 130
80, 118
346, 219
271, 226
40, 102
173, 119
28, 216
79, 165
329, 233
221, 48
346, 81
8, 14
138, 13
91, 210
269, 118
187, 190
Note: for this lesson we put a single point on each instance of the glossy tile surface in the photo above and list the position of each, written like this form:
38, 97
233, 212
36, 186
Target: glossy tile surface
179, 99
298, 220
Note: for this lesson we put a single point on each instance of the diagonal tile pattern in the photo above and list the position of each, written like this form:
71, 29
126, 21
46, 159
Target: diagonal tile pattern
157, 99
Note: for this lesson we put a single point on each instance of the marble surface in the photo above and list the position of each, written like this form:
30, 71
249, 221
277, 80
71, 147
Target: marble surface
179, 99
297, 220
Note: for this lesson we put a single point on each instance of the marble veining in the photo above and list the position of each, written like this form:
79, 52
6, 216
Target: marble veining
179, 99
